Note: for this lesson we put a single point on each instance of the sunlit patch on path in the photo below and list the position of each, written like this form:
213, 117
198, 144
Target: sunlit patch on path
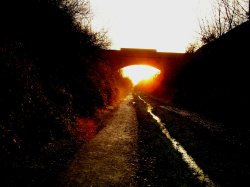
185, 156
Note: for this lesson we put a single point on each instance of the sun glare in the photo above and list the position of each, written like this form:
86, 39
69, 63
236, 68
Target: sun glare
138, 73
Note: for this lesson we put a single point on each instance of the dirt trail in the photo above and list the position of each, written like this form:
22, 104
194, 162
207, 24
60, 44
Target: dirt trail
110, 159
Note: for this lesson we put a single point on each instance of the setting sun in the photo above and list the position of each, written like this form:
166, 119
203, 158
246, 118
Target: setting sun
138, 73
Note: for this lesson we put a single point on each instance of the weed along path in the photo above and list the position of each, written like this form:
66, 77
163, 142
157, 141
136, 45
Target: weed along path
110, 159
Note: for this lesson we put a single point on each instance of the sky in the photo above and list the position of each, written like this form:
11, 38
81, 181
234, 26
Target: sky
164, 25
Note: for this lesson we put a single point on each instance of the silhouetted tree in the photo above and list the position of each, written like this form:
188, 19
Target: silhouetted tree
192, 47
226, 15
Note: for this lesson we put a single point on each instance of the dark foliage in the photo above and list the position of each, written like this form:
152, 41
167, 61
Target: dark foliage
51, 72
216, 78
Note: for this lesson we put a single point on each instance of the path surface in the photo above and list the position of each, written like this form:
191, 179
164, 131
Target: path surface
110, 159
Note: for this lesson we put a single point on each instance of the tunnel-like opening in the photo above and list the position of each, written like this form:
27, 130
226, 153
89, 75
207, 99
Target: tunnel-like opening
140, 73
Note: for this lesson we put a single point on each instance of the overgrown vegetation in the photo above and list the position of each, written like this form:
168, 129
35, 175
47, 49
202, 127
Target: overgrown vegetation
225, 15
214, 81
51, 73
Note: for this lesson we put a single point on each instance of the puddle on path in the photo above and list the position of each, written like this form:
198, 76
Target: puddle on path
196, 170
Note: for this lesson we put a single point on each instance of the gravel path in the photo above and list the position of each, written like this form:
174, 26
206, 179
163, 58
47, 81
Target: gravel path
110, 159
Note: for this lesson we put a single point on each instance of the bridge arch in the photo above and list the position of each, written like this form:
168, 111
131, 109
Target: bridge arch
118, 59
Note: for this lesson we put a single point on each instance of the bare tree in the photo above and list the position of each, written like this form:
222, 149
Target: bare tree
192, 47
226, 14
80, 9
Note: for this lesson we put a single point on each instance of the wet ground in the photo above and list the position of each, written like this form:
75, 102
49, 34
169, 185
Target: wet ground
130, 150
143, 142
146, 143
197, 171
220, 150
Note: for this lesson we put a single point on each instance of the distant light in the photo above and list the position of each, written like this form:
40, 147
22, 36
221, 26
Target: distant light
138, 73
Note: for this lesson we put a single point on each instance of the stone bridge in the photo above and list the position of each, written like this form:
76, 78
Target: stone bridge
165, 61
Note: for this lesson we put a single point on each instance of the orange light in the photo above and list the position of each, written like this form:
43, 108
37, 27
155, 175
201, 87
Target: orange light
138, 73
